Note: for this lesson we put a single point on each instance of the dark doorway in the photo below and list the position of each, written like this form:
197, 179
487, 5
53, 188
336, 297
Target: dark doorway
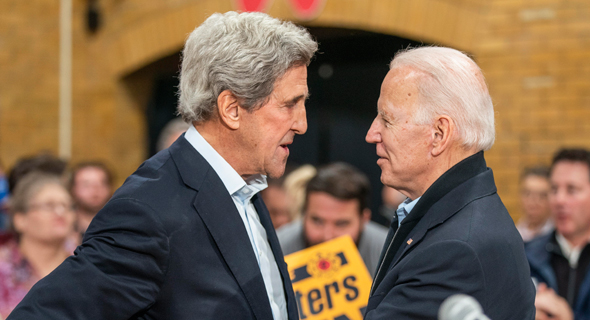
344, 81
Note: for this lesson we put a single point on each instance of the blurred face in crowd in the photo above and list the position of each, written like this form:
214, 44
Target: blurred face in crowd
402, 145
570, 199
49, 218
269, 130
278, 203
534, 194
327, 217
391, 197
91, 189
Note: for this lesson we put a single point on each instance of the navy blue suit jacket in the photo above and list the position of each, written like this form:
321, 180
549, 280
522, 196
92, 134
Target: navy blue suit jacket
461, 240
170, 244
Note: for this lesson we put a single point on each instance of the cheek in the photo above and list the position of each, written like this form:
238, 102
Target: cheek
312, 231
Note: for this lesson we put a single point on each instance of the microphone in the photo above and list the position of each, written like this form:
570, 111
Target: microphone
461, 307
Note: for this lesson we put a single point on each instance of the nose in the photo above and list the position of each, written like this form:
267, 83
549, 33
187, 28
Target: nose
557, 197
329, 233
373, 135
300, 124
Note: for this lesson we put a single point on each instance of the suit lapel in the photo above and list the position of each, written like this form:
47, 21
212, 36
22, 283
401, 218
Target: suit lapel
217, 210
278, 254
223, 221
443, 198
480, 186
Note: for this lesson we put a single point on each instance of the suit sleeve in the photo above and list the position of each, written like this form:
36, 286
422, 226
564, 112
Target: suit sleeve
428, 277
115, 274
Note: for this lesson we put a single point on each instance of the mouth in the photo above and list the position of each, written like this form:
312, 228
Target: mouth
285, 146
381, 157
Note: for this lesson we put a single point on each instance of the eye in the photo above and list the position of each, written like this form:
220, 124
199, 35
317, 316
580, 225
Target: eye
342, 224
317, 221
571, 189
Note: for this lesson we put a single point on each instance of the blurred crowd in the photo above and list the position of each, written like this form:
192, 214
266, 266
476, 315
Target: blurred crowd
46, 205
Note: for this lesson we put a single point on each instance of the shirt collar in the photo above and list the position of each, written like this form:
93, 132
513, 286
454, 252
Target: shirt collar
404, 209
229, 176
572, 254
409, 204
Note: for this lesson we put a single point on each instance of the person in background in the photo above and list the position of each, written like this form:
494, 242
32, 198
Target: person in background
295, 183
3, 200
278, 202
91, 188
391, 200
43, 162
171, 131
42, 218
560, 260
534, 192
336, 204
435, 119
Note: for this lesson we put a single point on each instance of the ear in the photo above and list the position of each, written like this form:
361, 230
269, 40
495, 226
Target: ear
442, 134
228, 109
366, 216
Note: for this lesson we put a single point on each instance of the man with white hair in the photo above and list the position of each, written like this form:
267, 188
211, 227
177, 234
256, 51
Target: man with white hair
452, 234
187, 235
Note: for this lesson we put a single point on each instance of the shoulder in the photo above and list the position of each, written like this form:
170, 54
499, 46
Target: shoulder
537, 248
374, 233
291, 237
155, 172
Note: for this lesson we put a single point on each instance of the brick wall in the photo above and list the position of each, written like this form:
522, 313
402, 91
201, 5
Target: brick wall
534, 54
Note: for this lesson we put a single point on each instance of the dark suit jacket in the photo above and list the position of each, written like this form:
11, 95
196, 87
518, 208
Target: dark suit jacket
170, 244
462, 241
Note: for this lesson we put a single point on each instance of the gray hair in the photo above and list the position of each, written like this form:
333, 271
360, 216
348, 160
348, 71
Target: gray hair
451, 84
242, 52
28, 187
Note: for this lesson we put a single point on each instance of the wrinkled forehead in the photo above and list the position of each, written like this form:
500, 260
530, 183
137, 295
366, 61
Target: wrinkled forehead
399, 89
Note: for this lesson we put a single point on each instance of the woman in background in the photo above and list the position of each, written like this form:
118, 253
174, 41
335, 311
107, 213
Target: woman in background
42, 218
536, 215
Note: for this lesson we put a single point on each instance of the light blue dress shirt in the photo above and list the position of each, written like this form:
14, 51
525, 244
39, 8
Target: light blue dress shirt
404, 209
242, 192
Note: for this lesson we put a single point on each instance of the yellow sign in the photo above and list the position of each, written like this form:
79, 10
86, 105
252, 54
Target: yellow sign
330, 280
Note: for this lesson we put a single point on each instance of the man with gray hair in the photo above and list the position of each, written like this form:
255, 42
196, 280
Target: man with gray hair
452, 234
187, 236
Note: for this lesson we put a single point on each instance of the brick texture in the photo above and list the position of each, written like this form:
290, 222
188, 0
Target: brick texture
534, 54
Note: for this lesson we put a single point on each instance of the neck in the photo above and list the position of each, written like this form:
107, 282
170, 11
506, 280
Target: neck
438, 166
576, 241
224, 140
43, 257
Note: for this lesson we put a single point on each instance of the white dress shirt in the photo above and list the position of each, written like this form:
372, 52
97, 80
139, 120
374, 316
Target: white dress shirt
242, 192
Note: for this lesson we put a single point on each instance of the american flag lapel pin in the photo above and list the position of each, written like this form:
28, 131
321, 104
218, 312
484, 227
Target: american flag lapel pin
409, 242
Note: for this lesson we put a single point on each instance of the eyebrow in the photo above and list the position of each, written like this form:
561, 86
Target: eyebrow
297, 99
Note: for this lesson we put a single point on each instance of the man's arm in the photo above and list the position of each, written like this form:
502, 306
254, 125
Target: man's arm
425, 280
116, 273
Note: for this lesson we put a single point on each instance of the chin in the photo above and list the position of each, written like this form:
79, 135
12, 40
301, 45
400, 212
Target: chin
275, 174
276, 171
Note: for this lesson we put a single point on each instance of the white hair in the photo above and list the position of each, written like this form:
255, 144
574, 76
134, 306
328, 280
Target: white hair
451, 84
242, 52
174, 127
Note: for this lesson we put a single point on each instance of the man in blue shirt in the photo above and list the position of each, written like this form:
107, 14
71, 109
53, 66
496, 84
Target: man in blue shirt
453, 235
